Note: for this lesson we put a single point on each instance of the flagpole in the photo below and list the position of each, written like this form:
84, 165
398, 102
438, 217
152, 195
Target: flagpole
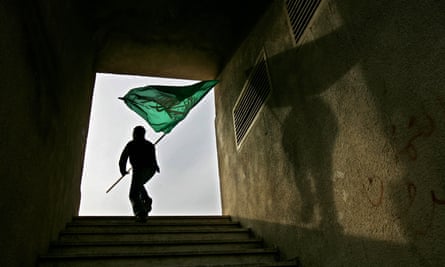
160, 138
118, 180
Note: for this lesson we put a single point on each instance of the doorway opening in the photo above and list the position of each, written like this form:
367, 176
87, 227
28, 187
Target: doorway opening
188, 183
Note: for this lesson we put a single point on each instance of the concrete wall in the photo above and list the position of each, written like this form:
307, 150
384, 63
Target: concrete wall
344, 166
46, 82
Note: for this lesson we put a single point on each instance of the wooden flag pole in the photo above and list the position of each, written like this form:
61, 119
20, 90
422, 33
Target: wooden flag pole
118, 180
159, 139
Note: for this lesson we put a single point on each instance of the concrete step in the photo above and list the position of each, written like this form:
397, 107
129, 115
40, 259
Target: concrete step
151, 219
149, 235
192, 258
149, 226
79, 248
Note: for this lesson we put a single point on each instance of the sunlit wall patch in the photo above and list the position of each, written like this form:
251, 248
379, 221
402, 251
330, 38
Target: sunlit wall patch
300, 13
255, 92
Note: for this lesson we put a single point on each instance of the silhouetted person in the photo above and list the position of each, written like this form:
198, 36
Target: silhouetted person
142, 156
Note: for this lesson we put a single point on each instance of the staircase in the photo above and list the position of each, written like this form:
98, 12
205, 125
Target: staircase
161, 241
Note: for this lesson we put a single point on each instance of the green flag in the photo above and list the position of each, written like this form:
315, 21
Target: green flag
165, 106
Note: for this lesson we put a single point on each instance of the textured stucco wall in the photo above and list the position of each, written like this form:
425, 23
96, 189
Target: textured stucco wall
345, 164
46, 82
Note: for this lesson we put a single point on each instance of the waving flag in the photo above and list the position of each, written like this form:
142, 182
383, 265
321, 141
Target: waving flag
165, 106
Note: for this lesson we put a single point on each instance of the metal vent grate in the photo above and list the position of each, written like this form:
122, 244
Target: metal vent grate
251, 99
300, 13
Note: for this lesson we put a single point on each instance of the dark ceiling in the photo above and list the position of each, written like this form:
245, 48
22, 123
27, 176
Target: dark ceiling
173, 38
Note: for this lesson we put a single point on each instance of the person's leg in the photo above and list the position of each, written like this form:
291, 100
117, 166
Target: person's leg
146, 175
146, 200
136, 190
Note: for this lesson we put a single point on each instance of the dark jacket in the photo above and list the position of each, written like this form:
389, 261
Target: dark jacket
142, 155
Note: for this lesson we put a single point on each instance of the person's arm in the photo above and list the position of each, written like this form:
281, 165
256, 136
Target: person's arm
123, 161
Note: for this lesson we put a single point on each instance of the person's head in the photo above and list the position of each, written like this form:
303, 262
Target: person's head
139, 133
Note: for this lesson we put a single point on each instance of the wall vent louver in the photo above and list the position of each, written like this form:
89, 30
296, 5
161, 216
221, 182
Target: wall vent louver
252, 98
300, 13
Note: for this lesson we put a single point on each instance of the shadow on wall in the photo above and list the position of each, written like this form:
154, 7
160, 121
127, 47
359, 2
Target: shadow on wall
311, 127
400, 49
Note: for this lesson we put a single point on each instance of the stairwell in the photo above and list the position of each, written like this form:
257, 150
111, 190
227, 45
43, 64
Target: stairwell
161, 241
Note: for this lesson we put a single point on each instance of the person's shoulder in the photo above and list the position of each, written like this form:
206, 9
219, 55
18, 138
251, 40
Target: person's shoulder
148, 145
148, 142
131, 142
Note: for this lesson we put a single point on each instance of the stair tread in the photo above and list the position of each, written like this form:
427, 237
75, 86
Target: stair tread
184, 217
150, 223
155, 242
188, 253
154, 231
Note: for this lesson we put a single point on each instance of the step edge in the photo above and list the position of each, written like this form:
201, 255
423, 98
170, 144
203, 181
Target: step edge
155, 242
154, 225
160, 217
180, 253
183, 231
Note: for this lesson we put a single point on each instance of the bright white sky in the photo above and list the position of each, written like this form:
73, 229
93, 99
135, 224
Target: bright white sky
188, 183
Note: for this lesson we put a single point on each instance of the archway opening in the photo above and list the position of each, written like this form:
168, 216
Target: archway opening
188, 183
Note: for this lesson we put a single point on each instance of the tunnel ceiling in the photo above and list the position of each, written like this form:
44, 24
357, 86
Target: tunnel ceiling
179, 39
